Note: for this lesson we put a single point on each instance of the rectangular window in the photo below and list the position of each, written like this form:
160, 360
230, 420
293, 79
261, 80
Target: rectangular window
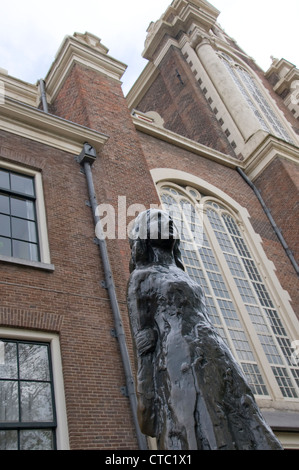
18, 221
27, 408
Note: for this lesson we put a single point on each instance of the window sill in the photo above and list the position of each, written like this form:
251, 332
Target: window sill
25, 262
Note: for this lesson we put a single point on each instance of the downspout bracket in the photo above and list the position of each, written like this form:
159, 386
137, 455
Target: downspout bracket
88, 154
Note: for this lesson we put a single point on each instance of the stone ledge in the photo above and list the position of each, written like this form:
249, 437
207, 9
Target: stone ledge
25, 262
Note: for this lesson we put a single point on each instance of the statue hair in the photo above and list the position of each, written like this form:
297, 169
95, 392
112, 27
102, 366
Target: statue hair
144, 247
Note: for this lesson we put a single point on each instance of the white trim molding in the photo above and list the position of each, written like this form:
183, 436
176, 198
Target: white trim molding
34, 124
87, 50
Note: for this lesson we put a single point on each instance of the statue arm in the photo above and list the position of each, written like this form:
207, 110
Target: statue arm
144, 339
145, 342
141, 319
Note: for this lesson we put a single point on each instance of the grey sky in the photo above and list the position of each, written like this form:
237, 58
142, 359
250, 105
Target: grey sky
31, 32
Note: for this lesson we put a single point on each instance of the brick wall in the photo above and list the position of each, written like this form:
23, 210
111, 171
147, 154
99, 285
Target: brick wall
279, 186
71, 302
177, 97
97, 101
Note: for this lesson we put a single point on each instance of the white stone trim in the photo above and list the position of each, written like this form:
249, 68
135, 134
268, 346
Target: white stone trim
34, 124
75, 50
148, 127
19, 90
289, 440
264, 154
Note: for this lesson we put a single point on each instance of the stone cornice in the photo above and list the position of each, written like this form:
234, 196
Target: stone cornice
84, 50
145, 124
34, 124
180, 16
19, 90
266, 152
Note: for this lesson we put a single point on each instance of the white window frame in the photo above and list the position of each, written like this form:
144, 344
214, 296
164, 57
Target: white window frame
45, 260
62, 435
233, 64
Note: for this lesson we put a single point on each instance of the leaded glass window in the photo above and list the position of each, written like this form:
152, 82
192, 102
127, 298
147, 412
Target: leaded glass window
216, 254
27, 410
254, 97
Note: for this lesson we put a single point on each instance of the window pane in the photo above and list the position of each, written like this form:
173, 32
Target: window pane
284, 382
25, 250
26, 396
9, 409
4, 225
33, 362
4, 204
8, 360
22, 208
23, 229
4, 179
22, 184
203, 266
8, 440
255, 379
36, 402
5, 246
36, 439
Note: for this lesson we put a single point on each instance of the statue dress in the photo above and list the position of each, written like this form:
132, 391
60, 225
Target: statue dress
192, 394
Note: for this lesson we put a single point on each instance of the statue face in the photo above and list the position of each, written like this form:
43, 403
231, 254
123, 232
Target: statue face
154, 225
154, 229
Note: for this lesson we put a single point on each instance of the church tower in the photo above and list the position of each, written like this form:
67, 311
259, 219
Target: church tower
209, 90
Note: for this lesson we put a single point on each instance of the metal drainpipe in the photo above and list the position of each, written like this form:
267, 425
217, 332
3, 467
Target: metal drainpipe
43, 95
86, 158
272, 221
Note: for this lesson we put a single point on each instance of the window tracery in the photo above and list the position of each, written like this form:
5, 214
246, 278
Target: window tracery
251, 92
217, 256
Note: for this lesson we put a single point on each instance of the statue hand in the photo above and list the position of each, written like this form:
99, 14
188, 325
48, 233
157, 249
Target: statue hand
146, 341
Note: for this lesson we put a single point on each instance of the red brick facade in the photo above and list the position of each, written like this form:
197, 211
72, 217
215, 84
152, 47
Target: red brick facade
176, 95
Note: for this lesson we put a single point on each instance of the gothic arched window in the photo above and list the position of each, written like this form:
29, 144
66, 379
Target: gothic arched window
251, 92
216, 254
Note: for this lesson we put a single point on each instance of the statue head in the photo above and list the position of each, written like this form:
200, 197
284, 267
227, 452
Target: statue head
154, 229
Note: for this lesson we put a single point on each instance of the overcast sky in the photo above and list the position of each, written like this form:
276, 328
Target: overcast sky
31, 31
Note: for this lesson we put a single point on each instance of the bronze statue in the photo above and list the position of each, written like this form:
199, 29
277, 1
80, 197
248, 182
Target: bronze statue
191, 392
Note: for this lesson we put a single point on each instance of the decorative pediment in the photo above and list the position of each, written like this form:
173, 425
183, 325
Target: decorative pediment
180, 16
85, 49
92, 40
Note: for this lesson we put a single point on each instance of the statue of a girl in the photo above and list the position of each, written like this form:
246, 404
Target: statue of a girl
191, 392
